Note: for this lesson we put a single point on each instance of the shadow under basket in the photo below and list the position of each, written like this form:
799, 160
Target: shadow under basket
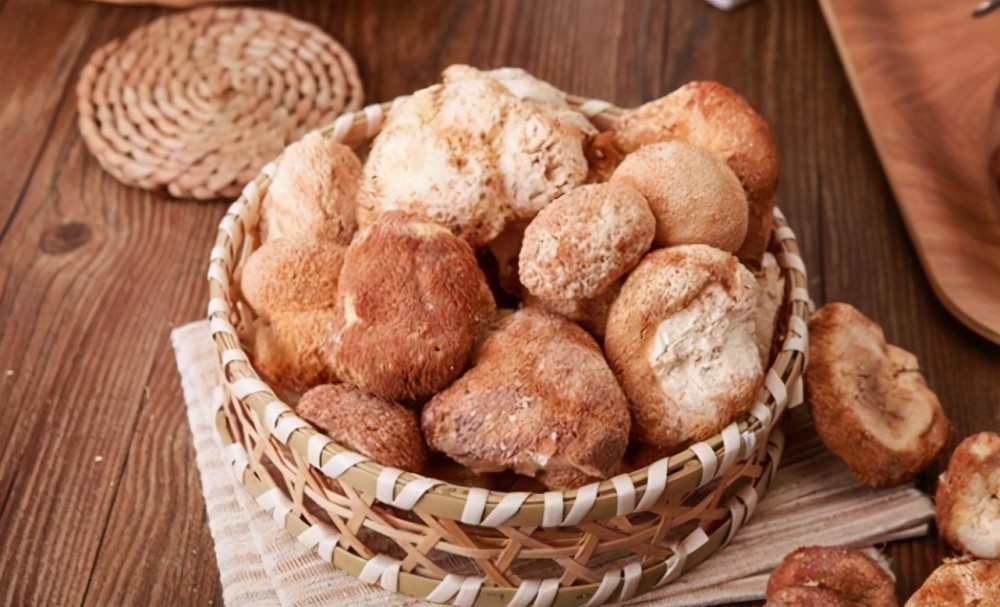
605, 542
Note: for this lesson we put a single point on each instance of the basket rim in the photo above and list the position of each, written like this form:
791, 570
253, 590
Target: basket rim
687, 470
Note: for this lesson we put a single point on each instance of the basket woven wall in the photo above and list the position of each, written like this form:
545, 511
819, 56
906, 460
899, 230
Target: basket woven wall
602, 543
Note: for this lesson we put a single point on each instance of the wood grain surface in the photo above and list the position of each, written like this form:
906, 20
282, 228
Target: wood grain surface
925, 83
100, 501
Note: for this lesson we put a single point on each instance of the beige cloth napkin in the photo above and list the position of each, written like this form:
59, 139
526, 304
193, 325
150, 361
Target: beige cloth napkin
813, 500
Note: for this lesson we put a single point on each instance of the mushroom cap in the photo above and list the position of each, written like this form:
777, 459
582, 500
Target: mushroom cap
844, 577
411, 303
380, 429
591, 314
287, 349
718, 119
286, 275
959, 583
313, 193
868, 400
680, 337
540, 401
582, 243
694, 196
471, 156
530, 89
968, 497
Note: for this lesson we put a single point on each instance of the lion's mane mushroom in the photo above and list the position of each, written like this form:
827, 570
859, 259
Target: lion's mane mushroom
540, 401
868, 399
960, 583
411, 303
680, 337
968, 497
820, 576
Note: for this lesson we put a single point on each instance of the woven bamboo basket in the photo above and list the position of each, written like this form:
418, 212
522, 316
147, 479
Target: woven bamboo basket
605, 542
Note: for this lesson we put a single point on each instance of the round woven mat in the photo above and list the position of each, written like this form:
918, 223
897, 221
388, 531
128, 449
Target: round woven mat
197, 102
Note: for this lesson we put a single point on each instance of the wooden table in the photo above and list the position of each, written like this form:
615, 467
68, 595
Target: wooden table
100, 501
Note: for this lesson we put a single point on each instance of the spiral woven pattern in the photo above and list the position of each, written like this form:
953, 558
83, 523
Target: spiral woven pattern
196, 103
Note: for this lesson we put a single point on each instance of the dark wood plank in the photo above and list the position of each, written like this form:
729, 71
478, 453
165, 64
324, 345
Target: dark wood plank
39, 46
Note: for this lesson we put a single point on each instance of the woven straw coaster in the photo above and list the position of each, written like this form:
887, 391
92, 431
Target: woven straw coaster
197, 102
813, 501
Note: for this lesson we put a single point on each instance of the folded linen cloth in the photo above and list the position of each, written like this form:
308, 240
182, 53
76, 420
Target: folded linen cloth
813, 501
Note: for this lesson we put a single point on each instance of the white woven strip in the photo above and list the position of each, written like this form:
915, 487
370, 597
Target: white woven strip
412, 492
675, 566
777, 389
609, 583
270, 169
250, 192
385, 485
373, 120
277, 502
586, 497
792, 262
219, 324
626, 494
327, 545
632, 573
776, 444
709, 463
507, 508
593, 107
446, 589
762, 412
552, 513
341, 127
656, 483
797, 396
548, 590
245, 386
737, 514
273, 411
233, 355
526, 593
288, 424
801, 294
695, 540
731, 446
748, 495
229, 221
784, 233
341, 463
217, 305
777, 213
237, 456
797, 337
383, 568
750, 441
218, 254
315, 533
469, 591
475, 505
314, 449
218, 273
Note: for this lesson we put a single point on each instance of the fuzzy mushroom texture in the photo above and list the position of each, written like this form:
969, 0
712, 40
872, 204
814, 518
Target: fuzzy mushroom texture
380, 429
680, 337
582, 243
286, 275
313, 193
695, 197
591, 314
960, 583
869, 402
534, 91
540, 400
820, 576
719, 120
287, 349
770, 295
968, 497
471, 156
411, 303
